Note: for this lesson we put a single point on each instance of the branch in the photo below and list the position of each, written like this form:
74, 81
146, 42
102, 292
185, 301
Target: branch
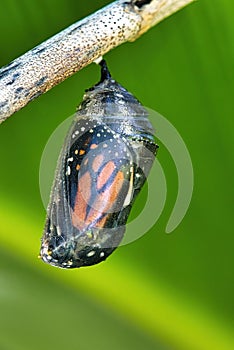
48, 64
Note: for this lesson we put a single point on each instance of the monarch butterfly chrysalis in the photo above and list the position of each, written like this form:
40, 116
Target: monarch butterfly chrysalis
103, 165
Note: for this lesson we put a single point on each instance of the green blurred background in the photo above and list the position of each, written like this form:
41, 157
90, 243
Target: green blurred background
163, 291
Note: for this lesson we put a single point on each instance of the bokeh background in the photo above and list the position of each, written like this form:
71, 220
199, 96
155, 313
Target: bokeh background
163, 291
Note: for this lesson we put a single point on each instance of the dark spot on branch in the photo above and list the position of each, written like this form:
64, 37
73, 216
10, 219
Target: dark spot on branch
41, 81
141, 3
14, 77
37, 94
2, 104
74, 30
19, 89
38, 50
7, 69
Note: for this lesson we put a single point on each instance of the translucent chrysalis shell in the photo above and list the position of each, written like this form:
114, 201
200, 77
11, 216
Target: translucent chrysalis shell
102, 167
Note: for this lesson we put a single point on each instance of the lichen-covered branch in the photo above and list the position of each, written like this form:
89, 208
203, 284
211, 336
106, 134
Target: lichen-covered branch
54, 60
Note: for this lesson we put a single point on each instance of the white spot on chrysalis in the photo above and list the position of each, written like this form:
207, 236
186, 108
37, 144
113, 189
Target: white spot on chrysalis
91, 253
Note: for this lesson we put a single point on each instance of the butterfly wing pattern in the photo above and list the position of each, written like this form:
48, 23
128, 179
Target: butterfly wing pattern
103, 165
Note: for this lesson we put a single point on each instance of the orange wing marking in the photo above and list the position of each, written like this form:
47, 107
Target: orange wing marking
82, 199
97, 162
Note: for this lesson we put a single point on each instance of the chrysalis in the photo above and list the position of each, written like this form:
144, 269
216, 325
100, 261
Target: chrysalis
103, 165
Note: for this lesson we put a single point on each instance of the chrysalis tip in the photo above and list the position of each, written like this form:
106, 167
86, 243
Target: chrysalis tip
105, 73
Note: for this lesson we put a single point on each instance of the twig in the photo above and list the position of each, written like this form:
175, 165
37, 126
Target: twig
48, 64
